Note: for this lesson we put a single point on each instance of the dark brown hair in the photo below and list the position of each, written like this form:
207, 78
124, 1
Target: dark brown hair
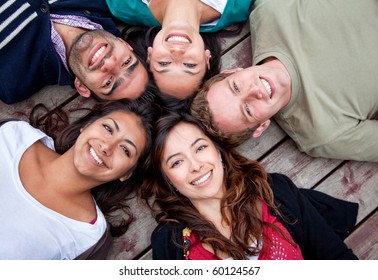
246, 182
113, 195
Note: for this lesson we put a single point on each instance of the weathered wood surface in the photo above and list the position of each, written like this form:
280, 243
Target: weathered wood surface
364, 240
349, 180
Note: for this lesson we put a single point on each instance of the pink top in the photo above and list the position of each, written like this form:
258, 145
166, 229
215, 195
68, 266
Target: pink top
275, 247
281, 249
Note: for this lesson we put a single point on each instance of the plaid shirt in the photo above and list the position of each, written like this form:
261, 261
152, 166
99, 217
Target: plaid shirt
76, 21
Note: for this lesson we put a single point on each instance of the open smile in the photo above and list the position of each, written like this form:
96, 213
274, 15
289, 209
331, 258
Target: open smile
96, 158
202, 179
178, 38
268, 86
97, 54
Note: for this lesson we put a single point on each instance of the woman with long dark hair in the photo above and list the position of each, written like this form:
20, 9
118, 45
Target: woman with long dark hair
213, 203
57, 199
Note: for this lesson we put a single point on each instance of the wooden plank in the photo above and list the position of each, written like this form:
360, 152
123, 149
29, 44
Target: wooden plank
230, 42
305, 171
73, 107
239, 56
364, 240
51, 96
147, 255
137, 238
354, 181
255, 148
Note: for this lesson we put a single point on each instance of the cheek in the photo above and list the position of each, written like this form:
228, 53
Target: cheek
123, 164
176, 177
92, 79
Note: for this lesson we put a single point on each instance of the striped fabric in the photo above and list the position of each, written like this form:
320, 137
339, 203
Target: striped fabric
10, 12
27, 51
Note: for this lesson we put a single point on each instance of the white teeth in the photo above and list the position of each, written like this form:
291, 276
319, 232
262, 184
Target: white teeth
203, 179
178, 39
98, 53
267, 87
95, 156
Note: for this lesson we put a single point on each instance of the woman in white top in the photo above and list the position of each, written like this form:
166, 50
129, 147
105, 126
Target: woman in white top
53, 202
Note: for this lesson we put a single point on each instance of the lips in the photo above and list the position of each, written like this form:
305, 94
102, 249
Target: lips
202, 179
267, 87
97, 54
178, 38
96, 158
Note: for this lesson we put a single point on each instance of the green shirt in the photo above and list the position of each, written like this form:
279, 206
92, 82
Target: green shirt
135, 12
330, 49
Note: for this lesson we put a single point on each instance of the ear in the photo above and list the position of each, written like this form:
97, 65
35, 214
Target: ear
126, 44
124, 178
229, 71
258, 131
81, 88
149, 51
208, 57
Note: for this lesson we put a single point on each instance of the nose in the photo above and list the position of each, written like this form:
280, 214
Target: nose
195, 165
109, 64
176, 52
253, 92
107, 148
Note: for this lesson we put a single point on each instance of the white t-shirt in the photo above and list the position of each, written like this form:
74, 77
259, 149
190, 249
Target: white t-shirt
217, 5
29, 230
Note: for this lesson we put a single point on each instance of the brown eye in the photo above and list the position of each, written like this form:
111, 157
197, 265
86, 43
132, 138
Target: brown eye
127, 62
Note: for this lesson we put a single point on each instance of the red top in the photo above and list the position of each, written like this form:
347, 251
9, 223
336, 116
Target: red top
279, 249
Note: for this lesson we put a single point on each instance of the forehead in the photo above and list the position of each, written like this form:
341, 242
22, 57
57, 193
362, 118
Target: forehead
184, 131
182, 136
225, 107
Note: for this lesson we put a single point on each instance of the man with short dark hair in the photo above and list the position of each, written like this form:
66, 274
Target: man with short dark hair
65, 42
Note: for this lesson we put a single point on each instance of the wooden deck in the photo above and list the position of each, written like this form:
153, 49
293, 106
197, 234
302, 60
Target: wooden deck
349, 180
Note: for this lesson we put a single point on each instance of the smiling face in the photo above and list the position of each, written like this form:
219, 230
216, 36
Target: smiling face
249, 97
193, 164
178, 60
107, 148
106, 66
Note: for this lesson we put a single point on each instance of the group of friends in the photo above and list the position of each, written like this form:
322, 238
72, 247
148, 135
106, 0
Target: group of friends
165, 110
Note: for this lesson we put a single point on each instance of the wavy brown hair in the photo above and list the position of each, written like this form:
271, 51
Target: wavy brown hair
246, 183
200, 109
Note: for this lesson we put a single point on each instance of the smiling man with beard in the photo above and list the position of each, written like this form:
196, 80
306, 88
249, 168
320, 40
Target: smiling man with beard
38, 38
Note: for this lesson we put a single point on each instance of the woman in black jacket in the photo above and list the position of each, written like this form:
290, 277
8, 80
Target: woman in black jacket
216, 204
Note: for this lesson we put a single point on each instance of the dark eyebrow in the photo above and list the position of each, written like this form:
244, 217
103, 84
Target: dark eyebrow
115, 124
127, 140
171, 156
128, 72
185, 71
